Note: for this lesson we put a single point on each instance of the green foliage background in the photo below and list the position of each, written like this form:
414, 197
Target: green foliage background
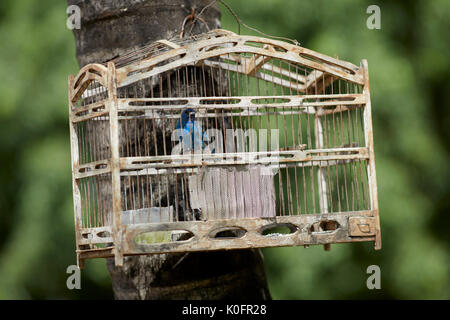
409, 71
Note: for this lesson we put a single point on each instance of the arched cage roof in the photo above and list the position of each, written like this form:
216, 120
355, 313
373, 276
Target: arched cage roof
248, 55
165, 55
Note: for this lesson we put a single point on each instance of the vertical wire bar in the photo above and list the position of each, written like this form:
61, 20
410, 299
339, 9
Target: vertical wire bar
174, 174
185, 177
350, 139
353, 170
354, 163
363, 166
343, 167
313, 187
103, 156
163, 132
178, 189
123, 147
300, 130
163, 121
259, 143
288, 179
325, 143
92, 146
137, 152
127, 190
329, 134
319, 137
86, 182
263, 146
224, 142
294, 142
280, 182
155, 142
95, 182
217, 187
197, 94
146, 154
336, 171
180, 94
321, 175
241, 143
245, 81
358, 162
141, 145
234, 149
328, 137
204, 92
83, 156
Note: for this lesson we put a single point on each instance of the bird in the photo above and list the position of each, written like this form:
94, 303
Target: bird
190, 132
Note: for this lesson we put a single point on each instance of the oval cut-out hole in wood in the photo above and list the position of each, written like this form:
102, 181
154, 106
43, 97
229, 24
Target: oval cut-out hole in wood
329, 225
220, 101
98, 109
87, 235
104, 234
84, 169
325, 226
270, 101
81, 113
227, 233
253, 44
154, 237
278, 229
79, 80
171, 102
211, 48
101, 166
95, 72
126, 115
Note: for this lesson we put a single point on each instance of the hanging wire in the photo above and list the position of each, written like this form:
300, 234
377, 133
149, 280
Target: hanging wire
238, 21
193, 17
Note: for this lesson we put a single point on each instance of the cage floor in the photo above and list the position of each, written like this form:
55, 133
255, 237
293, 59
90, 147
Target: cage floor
190, 236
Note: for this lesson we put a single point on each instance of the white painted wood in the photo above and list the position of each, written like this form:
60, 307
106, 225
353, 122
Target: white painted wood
368, 137
115, 164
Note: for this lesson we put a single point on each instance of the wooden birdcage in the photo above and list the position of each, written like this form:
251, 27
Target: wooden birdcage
276, 149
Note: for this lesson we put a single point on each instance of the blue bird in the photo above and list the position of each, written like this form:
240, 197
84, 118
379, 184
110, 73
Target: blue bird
190, 132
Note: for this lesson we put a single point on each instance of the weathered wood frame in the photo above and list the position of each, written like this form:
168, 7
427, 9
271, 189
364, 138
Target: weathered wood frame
352, 226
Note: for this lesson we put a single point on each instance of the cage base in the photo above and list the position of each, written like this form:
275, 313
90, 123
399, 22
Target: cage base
229, 234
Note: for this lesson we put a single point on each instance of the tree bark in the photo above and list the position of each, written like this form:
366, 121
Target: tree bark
110, 28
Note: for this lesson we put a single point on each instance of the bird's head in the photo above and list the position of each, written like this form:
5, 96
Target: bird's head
187, 115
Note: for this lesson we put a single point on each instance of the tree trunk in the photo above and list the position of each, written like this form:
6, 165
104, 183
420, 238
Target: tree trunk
110, 28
